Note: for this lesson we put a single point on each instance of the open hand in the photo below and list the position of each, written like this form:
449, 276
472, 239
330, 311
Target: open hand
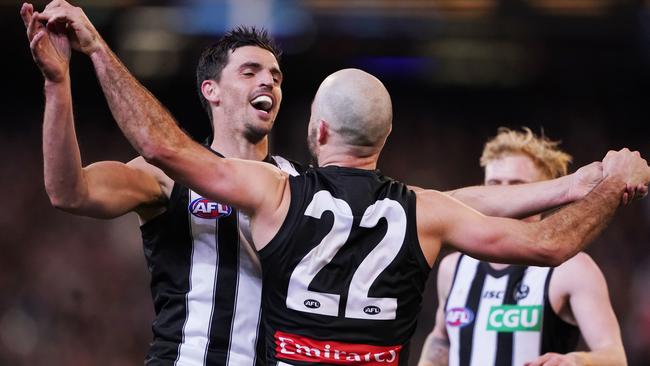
50, 47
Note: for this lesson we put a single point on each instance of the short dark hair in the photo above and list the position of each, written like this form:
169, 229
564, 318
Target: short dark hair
215, 57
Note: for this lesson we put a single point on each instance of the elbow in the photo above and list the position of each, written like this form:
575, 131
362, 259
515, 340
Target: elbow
158, 155
63, 203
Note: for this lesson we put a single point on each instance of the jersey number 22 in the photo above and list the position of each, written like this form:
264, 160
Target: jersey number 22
359, 305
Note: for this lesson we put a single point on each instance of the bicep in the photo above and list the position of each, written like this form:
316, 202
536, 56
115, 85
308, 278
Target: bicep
115, 188
483, 237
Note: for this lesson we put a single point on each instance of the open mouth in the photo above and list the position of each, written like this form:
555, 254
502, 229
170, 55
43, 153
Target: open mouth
262, 103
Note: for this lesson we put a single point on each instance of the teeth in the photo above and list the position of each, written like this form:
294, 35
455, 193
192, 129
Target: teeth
263, 102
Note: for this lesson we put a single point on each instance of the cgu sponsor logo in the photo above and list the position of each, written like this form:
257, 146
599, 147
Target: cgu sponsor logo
299, 348
513, 318
206, 209
459, 317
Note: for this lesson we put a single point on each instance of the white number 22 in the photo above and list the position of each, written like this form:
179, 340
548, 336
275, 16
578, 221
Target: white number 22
359, 305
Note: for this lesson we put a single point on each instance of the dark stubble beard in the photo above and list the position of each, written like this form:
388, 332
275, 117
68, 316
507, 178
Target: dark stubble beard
255, 134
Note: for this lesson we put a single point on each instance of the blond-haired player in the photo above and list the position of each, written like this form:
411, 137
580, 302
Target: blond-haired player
499, 314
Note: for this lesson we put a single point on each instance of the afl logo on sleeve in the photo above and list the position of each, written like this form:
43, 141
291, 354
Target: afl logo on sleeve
206, 209
459, 317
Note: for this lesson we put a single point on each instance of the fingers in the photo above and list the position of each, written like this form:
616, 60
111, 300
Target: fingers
34, 44
33, 27
26, 12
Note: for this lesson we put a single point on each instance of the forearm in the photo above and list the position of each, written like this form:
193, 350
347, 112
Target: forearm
569, 230
62, 171
435, 352
148, 126
516, 201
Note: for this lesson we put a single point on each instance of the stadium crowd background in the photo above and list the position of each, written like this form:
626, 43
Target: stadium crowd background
74, 291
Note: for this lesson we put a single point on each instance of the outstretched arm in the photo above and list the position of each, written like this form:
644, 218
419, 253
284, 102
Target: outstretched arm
523, 200
103, 190
549, 242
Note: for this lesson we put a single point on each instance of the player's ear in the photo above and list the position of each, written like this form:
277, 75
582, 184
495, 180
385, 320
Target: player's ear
211, 91
323, 132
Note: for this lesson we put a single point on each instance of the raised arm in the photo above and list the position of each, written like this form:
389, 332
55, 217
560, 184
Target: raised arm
103, 190
523, 200
548, 242
154, 133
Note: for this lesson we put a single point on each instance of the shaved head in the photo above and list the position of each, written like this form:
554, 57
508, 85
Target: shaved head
356, 107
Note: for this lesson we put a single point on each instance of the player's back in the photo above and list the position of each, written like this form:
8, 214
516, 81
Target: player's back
343, 278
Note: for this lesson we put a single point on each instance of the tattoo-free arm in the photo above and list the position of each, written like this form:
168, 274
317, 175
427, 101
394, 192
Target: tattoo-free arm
549, 242
523, 200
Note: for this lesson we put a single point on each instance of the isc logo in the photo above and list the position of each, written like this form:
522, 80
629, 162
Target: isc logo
459, 317
206, 209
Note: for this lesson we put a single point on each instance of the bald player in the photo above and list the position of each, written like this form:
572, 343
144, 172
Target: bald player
344, 250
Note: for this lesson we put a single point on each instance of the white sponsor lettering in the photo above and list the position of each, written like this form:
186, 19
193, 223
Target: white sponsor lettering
289, 346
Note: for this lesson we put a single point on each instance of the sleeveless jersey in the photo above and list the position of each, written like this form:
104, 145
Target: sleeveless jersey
343, 277
205, 283
503, 317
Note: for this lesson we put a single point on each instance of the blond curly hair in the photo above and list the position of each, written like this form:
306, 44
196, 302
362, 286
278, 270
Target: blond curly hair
544, 152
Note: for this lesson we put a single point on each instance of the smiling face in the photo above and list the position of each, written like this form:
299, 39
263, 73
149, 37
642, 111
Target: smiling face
248, 93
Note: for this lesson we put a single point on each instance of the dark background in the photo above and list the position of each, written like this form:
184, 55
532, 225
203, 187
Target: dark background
74, 291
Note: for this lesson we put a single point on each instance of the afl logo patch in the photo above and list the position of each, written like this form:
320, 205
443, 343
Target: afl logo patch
312, 304
206, 209
459, 317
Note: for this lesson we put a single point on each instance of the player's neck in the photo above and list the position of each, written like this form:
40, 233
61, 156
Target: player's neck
343, 158
240, 147
498, 266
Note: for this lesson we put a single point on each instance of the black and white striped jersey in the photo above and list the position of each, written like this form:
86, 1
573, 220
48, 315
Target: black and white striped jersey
503, 317
343, 277
205, 282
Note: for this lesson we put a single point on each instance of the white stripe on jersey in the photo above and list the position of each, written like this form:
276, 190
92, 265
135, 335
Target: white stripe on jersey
285, 165
248, 303
463, 281
526, 346
200, 298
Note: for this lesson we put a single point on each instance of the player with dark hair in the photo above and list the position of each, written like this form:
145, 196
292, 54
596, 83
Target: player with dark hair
205, 275
499, 314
